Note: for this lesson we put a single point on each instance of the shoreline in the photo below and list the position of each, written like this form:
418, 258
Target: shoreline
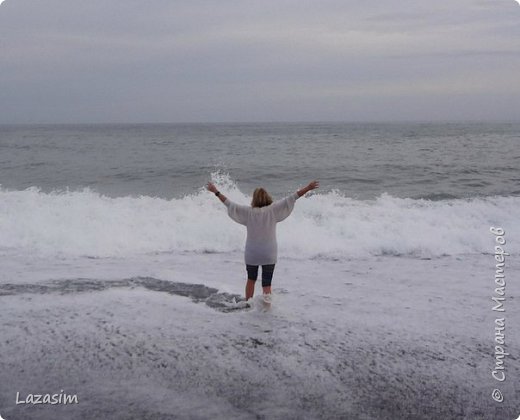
388, 338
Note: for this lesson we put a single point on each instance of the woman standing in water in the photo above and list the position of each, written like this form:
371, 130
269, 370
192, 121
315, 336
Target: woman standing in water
260, 219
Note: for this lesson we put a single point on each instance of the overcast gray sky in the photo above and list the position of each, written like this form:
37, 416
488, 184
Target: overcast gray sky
295, 60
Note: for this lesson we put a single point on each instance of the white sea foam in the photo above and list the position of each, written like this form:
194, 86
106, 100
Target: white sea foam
85, 223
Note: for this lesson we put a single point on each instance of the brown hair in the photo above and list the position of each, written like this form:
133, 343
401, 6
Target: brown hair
261, 198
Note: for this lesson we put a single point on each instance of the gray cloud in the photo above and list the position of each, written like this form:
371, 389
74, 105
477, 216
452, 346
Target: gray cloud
162, 61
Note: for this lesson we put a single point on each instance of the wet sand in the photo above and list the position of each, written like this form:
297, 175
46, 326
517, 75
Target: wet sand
389, 338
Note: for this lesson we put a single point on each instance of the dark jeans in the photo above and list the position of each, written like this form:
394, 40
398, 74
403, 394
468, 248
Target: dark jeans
267, 273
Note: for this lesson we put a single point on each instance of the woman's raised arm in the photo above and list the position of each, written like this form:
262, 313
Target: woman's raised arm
237, 212
312, 185
283, 208
211, 187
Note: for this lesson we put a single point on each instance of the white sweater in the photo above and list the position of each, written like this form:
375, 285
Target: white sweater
261, 246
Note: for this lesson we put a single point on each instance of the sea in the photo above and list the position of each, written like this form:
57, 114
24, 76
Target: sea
420, 190
122, 278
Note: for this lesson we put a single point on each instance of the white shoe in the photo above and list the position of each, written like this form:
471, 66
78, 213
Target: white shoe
267, 299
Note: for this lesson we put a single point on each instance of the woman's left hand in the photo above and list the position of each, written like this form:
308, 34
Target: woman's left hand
211, 187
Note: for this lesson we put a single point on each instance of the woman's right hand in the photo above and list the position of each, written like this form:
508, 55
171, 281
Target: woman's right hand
313, 185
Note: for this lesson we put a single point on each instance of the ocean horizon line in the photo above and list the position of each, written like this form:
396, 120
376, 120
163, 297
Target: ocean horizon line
281, 122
